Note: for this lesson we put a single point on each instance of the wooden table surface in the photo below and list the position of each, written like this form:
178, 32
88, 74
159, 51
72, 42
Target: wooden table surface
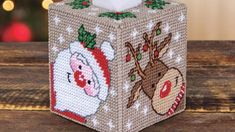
24, 90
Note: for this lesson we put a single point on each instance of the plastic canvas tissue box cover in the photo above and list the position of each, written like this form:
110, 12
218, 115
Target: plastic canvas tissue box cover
117, 71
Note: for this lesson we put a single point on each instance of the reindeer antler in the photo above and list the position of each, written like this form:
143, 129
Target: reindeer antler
135, 93
150, 42
137, 68
166, 41
164, 45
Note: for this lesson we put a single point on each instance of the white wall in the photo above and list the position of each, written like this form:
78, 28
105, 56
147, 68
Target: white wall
211, 19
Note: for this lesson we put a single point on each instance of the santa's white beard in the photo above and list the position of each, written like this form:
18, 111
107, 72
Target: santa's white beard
69, 97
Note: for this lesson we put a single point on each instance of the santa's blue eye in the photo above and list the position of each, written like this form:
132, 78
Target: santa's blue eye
80, 67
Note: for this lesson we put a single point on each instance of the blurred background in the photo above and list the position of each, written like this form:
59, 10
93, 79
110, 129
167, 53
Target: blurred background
26, 20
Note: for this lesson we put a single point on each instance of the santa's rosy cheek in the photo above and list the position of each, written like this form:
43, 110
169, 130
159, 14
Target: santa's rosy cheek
91, 91
77, 65
88, 91
74, 62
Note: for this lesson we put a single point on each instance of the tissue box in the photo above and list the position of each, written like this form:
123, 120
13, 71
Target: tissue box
117, 71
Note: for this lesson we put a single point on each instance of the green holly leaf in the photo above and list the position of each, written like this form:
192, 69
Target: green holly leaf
117, 15
81, 29
86, 37
79, 4
82, 34
91, 44
80, 39
128, 14
155, 4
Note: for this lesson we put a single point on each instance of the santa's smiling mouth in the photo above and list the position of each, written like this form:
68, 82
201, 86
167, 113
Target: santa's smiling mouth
68, 76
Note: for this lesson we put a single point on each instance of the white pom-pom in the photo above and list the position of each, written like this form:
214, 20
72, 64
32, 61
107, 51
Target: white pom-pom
108, 50
74, 47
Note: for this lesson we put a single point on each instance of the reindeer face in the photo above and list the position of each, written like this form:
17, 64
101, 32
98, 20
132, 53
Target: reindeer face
159, 82
153, 75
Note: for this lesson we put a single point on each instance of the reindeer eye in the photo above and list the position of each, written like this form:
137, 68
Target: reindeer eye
80, 67
153, 85
159, 74
89, 82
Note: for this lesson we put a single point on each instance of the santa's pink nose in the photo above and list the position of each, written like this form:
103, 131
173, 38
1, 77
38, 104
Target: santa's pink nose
79, 78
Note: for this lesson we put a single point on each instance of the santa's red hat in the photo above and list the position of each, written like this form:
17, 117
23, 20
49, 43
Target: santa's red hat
97, 59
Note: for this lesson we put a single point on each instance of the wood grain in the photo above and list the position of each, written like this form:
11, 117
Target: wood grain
211, 53
38, 121
211, 72
210, 76
34, 53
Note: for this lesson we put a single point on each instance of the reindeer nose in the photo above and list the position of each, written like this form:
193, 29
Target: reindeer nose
79, 78
166, 89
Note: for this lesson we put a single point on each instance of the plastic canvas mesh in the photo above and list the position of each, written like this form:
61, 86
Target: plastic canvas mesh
112, 114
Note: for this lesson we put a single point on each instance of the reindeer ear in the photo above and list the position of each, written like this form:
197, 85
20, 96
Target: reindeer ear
163, 51
164, 46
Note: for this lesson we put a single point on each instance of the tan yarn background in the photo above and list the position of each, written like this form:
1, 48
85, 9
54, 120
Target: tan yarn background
118, 67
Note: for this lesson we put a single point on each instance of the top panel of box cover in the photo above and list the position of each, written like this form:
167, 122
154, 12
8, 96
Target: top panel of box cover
117, 12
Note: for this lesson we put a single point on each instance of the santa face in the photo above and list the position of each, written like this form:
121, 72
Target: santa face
75, 84
81, 78
84, 75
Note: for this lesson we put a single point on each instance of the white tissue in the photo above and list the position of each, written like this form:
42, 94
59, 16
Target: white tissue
117, 5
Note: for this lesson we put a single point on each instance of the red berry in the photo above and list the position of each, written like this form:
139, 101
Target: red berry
145, 47
149, 2
156, 54
119, 13
128, 57
82, 43
84, 3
